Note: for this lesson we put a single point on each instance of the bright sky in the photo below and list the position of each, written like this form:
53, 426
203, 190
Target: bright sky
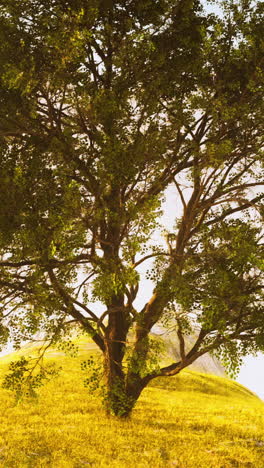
252, 374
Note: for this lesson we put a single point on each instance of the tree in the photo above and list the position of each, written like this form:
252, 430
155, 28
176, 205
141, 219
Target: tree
104, 105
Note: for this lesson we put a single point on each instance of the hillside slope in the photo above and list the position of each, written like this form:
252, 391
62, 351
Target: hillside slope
207, 364
188, 421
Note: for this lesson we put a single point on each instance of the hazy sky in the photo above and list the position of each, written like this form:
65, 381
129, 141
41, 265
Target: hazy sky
252, 374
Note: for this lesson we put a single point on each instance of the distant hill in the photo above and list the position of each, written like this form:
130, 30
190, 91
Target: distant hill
207, 363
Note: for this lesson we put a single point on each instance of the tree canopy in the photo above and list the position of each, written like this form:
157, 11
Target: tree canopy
104, 105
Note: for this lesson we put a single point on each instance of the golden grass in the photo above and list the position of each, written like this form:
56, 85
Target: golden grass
189, 421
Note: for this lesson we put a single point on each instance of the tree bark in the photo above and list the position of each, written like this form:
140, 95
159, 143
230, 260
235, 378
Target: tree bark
122, 393
115, 345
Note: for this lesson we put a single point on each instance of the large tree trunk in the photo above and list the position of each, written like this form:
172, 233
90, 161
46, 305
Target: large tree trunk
120, 398
122, 392
116, 399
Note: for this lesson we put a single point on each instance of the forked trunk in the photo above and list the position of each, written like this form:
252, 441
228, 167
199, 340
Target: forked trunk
117, 400
122, 392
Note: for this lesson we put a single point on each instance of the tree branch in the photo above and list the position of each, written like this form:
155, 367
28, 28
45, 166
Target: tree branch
74, 312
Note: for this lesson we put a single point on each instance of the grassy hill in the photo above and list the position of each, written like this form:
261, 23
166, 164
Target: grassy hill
207, 364
189, 421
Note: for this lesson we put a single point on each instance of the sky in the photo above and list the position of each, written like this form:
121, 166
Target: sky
252, 374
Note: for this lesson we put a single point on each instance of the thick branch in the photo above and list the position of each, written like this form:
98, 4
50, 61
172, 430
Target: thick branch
231, 211
74, 312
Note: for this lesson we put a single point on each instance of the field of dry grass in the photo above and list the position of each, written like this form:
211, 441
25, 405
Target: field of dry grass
189, 421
